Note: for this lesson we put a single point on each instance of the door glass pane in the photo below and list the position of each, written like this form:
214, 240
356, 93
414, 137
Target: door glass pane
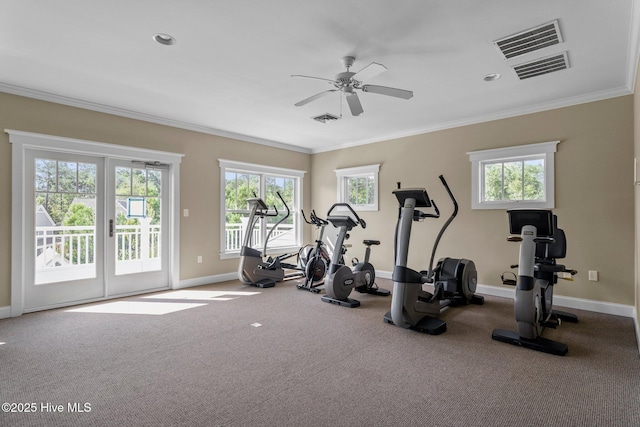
65, 220
138, 221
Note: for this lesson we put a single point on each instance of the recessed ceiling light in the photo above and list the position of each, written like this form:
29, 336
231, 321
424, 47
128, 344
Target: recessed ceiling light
164, 39
492, 77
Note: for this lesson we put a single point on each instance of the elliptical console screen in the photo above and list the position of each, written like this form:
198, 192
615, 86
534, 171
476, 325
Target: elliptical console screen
541, 219
418, 194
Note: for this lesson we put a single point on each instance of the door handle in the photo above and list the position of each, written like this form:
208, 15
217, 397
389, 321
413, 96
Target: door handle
110, 228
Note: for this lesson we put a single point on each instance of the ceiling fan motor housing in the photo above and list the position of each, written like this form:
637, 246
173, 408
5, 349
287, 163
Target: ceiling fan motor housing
344, 78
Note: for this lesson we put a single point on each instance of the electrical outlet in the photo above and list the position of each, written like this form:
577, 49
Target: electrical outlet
185, 212
593, 276
199, 259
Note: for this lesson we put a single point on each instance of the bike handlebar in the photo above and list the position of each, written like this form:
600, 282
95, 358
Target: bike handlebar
348, 206
314, 219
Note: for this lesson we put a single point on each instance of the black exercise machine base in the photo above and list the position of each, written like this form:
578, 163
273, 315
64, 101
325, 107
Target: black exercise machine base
264, 283
426, 325
377, 291
347, 302
539, 344
316, 289
461, 301
563, 315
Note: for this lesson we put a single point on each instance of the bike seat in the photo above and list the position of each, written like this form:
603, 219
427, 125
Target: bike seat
371, 242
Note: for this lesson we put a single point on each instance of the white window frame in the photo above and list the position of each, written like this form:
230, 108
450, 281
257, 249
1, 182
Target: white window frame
343, 175
545, 150
260, 170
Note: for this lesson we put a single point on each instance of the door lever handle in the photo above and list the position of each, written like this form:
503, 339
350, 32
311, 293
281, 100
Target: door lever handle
110, 228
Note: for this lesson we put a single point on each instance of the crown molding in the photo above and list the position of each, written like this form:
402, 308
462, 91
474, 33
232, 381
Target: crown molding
101, 108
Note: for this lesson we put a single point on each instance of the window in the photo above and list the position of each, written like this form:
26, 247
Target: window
240, 181
521, 176
359, 187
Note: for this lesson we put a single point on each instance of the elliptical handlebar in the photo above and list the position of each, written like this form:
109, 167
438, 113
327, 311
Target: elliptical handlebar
263, 213
446, 224
453, 199
284, 203
276, 213
357, 218
419, 215
280, 221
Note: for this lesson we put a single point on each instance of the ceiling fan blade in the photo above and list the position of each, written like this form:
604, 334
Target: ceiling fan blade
369, 71
314, 97
354, 104
390, 91
311, 77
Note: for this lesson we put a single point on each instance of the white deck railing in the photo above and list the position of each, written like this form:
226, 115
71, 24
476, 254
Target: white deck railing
73, 247
65, 246
283, 235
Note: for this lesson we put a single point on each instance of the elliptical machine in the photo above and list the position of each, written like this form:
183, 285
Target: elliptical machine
253, 270
541, 244
342, 279
454, 280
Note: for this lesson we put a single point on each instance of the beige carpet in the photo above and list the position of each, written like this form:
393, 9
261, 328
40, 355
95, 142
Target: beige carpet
282, 357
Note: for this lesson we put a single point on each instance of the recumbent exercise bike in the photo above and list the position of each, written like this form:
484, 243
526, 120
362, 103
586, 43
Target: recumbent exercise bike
542, 243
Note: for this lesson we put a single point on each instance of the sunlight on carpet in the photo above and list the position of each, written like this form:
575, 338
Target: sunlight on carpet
136, 307
187, 294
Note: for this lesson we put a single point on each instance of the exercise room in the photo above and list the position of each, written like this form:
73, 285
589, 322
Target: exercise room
340, 213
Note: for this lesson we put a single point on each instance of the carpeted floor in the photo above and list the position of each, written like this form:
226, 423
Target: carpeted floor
233, 355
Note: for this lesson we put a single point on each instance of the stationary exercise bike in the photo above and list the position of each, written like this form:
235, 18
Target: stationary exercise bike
342, 279
253, 269
314, 260
541, 244
454, 280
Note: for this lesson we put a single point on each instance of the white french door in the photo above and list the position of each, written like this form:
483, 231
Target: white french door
65, 222
88, 225
137, 235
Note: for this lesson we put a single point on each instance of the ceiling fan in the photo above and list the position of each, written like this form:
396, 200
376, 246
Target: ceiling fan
347, 82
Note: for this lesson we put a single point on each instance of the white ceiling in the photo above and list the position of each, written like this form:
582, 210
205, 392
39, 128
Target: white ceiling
230, 71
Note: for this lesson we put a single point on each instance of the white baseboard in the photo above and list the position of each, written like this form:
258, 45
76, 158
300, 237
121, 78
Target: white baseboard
558, 301
568, 302
635, 319
5, 312
199, 281
383, 274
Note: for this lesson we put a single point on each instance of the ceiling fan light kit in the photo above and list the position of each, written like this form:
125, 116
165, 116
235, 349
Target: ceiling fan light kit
347, 82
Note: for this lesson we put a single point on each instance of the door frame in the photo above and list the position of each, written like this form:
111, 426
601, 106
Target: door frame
23, 141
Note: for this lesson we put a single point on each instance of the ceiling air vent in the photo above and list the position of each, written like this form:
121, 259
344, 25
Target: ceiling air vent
325, 118
542, 66
530, 40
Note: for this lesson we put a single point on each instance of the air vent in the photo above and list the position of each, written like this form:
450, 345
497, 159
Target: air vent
325, 118
542, 66
530, 40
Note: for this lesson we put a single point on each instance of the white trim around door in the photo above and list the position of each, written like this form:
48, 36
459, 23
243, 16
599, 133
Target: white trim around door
22, 142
